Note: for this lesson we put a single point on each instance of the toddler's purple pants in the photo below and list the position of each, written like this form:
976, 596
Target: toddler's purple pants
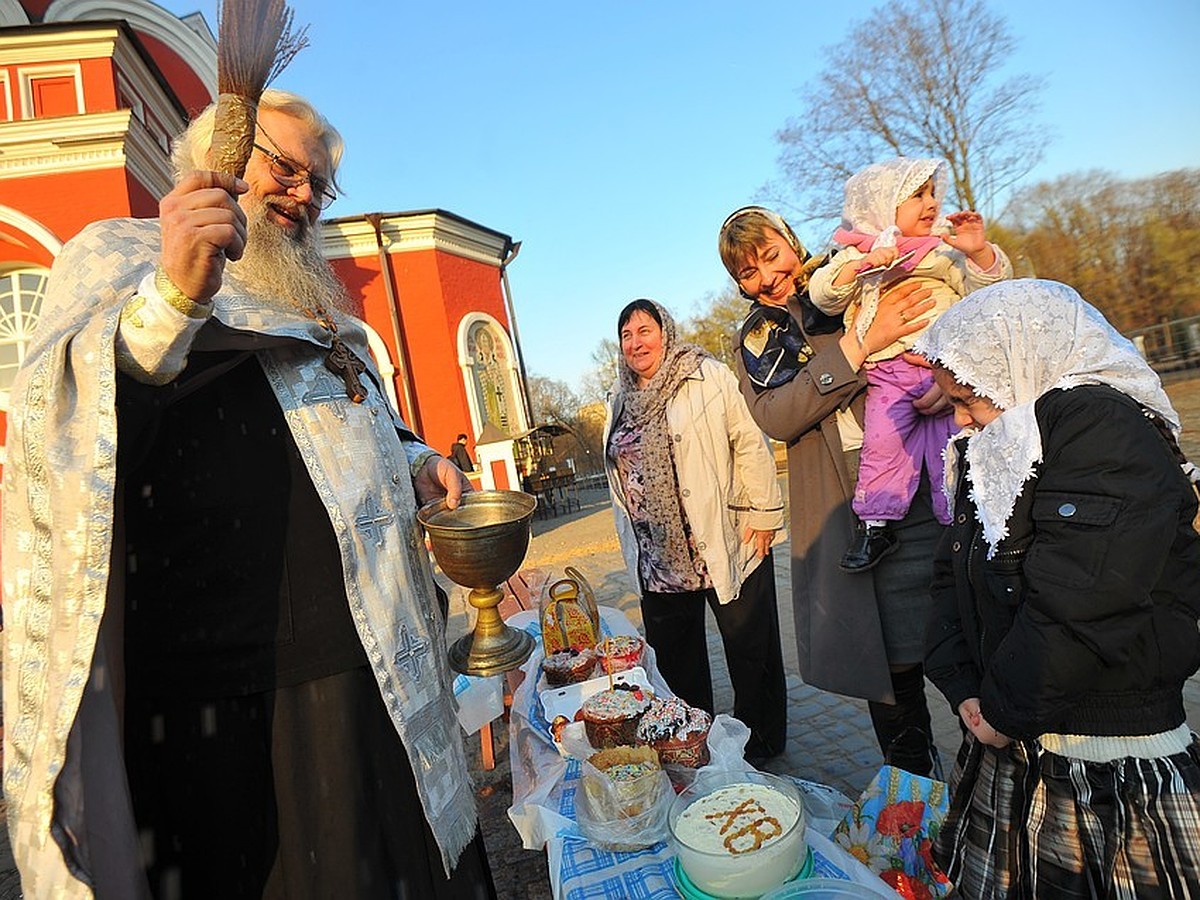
897, 440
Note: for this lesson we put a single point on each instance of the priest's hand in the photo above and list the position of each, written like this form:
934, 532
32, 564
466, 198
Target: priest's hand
202, 226
441, 478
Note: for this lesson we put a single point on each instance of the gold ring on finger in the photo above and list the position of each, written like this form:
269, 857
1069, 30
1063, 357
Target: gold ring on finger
903, 316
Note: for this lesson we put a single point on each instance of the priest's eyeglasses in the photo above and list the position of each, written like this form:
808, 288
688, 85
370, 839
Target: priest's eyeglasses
291, 174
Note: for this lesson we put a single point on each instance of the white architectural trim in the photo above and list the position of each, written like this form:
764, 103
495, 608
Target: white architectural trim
132, 68
31, 227
81, 144
502, 452
27, 75
466, 364
136, 104
194, 45
12, 13
6, 104
419, 231
50, 46
383, 360
147, 159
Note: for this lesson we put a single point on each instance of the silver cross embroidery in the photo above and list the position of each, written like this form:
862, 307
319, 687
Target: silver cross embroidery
410, 653
327, 389
371, 521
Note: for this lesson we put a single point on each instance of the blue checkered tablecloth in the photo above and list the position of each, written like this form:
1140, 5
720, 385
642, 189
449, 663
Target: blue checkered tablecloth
587, 872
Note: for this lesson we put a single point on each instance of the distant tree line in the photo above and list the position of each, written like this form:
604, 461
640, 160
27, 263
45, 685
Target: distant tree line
1130, 247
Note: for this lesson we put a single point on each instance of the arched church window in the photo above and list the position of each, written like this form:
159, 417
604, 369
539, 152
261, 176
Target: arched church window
21, 293
491, 375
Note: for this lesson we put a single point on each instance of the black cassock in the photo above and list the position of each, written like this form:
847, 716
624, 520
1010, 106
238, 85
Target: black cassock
261, 759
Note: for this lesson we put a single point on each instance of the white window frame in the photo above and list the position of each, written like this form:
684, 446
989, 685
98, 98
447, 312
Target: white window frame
13, 272
466, 365
29, 74
7, 102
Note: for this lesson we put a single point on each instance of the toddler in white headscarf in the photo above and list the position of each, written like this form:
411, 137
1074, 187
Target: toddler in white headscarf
893, 228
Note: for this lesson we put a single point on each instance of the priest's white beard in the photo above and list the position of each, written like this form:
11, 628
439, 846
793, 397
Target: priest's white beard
285, 270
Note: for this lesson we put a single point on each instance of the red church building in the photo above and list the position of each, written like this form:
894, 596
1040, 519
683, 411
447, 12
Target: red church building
91, 93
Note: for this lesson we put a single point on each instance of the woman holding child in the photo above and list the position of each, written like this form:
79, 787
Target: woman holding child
802, 377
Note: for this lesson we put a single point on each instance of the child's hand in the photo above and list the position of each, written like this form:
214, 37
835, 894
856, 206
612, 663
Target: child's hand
880, 256
916, 359
969, 712
973, 718
933, 402
968, 232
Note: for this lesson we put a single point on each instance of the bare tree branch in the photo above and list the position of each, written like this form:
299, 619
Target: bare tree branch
916, 78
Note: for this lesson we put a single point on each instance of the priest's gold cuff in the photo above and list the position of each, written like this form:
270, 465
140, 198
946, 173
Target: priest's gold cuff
177, 298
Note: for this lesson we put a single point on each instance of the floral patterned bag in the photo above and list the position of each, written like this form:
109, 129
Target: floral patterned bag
891, 830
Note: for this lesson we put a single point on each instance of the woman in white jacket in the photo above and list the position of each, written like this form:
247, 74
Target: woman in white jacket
697, 507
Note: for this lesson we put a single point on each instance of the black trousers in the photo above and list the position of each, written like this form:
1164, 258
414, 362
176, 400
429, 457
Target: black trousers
903, 728
749, 629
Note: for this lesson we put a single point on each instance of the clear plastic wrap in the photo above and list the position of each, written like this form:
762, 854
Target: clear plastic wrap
625, 813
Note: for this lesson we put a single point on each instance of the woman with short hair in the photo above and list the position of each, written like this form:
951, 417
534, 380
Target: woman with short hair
802, 376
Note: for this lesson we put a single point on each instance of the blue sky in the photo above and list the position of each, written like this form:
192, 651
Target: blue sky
612, 138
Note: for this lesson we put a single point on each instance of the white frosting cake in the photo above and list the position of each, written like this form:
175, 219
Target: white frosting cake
737, 819
741, 840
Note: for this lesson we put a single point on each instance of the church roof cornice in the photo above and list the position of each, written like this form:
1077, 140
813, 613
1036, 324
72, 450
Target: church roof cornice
189, 37
96, 141
75, 41
428, 229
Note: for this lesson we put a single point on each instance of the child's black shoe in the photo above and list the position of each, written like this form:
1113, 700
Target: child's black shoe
872, 544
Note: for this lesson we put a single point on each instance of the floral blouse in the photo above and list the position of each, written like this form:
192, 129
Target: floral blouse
625, 451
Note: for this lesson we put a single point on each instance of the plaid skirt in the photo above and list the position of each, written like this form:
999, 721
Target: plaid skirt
1024, 822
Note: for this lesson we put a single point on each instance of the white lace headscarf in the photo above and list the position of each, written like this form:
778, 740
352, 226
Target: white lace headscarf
869, 219
1012, 342
873, 194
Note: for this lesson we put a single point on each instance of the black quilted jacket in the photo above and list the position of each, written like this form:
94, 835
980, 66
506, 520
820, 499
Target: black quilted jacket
1085, 619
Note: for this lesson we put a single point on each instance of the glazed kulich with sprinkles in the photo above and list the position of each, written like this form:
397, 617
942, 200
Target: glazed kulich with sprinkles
620, 653
677, 731
569, 666
629, 771
610, 717
630, 791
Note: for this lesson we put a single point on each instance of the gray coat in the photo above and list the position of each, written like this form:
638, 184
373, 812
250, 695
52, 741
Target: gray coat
841, 619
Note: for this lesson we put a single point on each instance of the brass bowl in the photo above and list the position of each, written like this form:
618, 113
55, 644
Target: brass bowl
483, 541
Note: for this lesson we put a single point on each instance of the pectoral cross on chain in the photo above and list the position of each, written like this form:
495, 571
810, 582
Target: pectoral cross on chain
341, 360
